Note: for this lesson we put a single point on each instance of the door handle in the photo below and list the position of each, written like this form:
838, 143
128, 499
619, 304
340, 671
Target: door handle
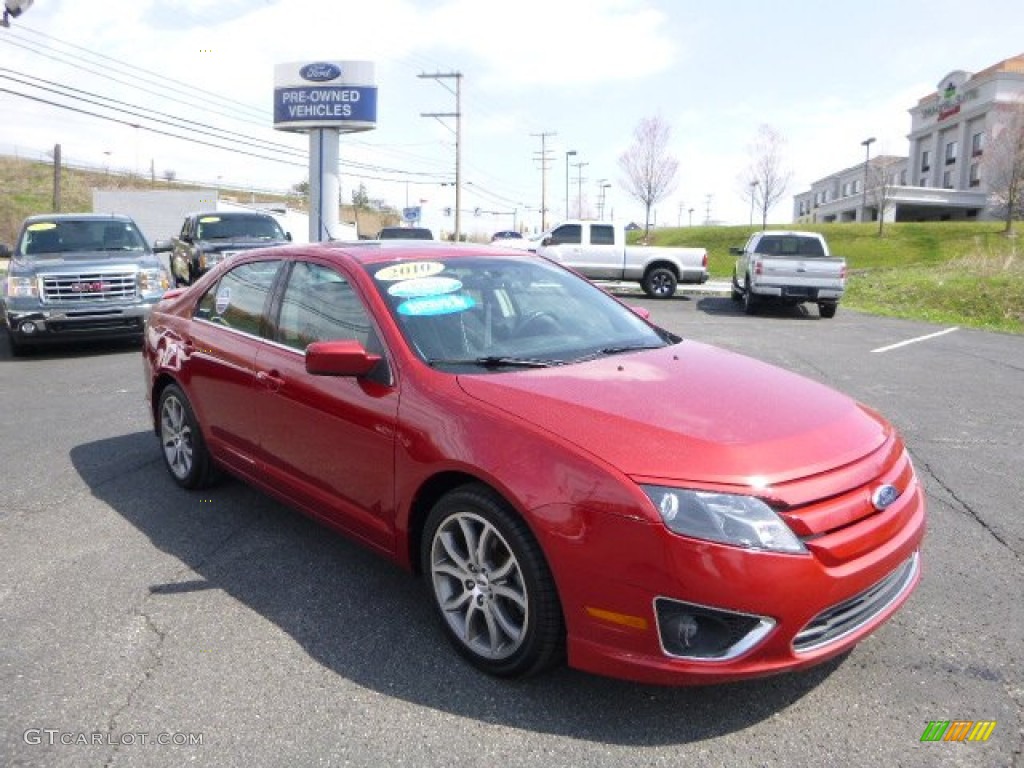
270, 379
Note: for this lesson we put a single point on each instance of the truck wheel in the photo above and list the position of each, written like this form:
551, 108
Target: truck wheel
827, 309
18, 348
734, 288
749, 300
659, 283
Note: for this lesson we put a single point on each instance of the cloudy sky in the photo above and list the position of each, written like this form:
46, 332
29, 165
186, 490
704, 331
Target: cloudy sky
585, 72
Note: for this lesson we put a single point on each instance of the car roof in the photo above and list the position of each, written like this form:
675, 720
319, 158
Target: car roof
232, 214
385, 251
78, 217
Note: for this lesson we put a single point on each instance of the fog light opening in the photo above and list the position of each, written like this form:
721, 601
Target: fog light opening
27, 327
698, 632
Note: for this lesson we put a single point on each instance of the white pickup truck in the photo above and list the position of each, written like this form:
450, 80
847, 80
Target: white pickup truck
598, 251
791, 267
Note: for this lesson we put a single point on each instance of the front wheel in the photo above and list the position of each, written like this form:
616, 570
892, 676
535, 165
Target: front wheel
491, 585
659, 283
184, 449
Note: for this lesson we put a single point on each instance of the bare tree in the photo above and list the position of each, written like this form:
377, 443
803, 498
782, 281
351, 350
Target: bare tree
650, 171
765, 181
1003, 165
881, 182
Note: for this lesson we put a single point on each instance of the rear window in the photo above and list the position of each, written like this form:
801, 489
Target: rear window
790, 245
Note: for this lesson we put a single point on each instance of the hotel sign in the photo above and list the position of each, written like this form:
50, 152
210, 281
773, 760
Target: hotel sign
951, 95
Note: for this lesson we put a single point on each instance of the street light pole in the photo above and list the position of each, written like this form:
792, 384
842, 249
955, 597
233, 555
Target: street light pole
568, 152
867, 157
753, 185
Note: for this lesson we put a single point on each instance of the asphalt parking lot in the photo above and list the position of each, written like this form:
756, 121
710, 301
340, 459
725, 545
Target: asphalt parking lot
241, 634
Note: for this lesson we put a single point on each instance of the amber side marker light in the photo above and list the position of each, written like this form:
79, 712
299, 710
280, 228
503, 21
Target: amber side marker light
634, 622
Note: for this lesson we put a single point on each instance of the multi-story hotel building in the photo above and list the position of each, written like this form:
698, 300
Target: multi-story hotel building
943, 178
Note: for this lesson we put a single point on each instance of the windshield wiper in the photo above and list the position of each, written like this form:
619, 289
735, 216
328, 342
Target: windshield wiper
496, 361
629, 348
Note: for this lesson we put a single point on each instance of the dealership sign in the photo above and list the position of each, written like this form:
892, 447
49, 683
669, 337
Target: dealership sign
325, 94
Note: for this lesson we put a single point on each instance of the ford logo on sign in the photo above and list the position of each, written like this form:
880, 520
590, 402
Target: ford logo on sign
320, 72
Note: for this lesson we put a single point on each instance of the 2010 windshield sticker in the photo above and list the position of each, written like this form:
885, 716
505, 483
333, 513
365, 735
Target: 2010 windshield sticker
425, 306
425, 286
209, 219
409, 270
40, 226
223, 299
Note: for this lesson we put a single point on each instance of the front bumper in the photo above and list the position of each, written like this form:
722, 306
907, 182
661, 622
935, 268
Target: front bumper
52, 325
639, 600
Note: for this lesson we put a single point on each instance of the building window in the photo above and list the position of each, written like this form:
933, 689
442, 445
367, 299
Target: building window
903, 177
947, 179
950, 153
856, 186
926, 157
977, 144
975, 176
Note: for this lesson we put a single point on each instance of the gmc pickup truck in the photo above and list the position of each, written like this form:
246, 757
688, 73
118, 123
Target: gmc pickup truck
79, 276
598, 251
207, 237
791, 267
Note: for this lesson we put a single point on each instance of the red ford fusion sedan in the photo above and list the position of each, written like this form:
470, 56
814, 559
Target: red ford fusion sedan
570, 481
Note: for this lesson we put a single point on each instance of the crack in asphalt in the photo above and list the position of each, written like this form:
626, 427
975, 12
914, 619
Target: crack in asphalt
968, 509
155, 657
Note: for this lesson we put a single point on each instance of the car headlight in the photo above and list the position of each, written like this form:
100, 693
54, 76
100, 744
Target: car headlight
153, 282
22, 287
740, 521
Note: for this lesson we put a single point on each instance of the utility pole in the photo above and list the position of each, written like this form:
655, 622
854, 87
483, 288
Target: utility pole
457, 114
544, 157
579, 188
56, 178
707, 215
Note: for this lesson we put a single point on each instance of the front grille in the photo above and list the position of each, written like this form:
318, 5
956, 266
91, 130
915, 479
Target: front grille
88, 287
848, 616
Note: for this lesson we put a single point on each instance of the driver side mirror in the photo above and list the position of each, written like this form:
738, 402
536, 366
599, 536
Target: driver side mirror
548, 241
736, 251
345, 357
5, 251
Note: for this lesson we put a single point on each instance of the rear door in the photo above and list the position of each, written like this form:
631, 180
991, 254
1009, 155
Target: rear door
221, 345
602, 257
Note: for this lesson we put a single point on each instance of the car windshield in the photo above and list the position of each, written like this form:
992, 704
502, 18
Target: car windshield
247, 227
493, 314
80, 236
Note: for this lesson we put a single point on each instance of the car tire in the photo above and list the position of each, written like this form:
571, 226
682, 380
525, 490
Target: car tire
827, 309
749, 299
659, 283
491, 584
181, 441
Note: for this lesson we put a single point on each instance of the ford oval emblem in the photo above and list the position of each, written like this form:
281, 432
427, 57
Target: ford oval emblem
320, 72
884, 496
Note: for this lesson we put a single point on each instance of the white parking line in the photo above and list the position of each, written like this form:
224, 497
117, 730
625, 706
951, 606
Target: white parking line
914, 341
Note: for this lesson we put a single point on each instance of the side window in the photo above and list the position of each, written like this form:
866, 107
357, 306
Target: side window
185, 229
320, 305
238, 300
567, 233
602, 234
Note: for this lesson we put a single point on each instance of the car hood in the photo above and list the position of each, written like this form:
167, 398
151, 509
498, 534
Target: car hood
239, 243
82, 260
690, 412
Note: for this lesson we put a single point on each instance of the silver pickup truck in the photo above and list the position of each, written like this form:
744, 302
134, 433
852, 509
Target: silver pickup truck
790, 267
79, 276
598, 251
